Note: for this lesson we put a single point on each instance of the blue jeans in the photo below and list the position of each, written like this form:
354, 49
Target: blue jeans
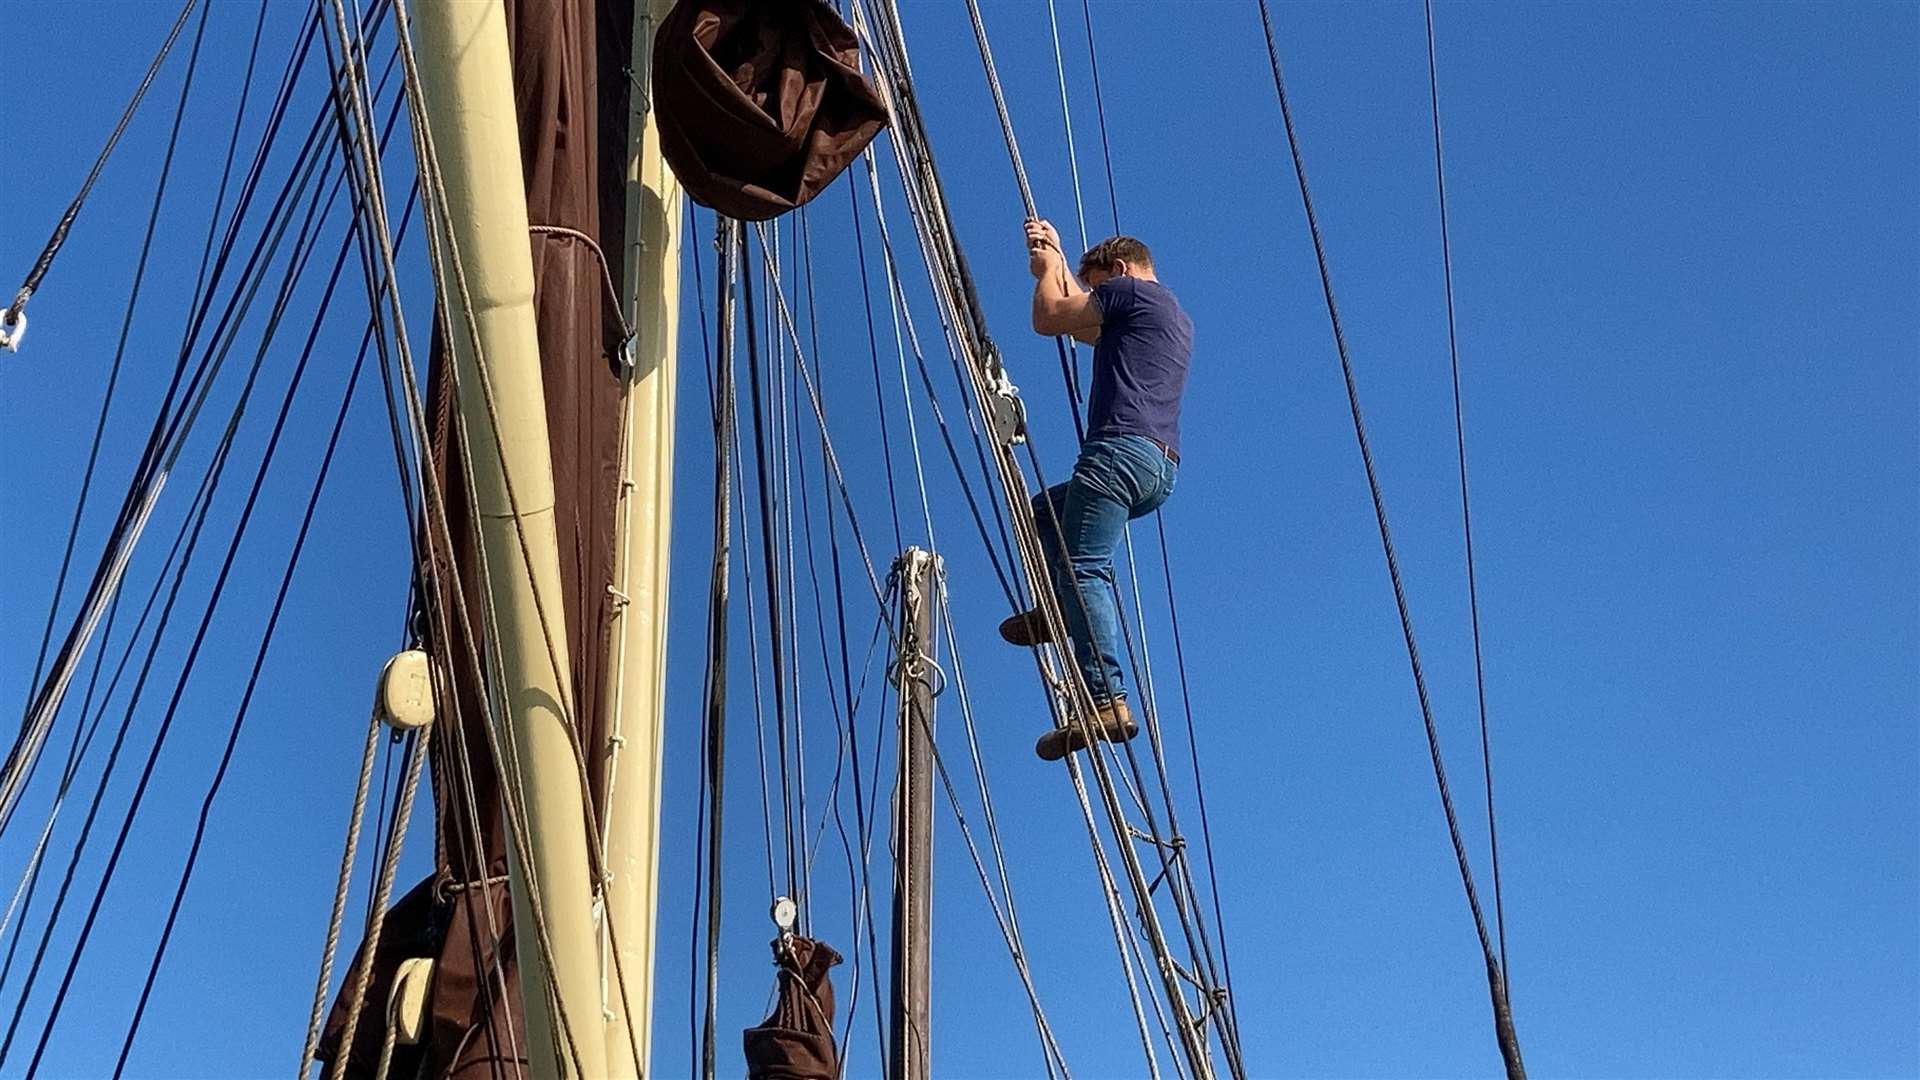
1117, 479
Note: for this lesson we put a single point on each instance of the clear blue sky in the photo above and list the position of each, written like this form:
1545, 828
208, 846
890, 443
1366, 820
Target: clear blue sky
1687, 258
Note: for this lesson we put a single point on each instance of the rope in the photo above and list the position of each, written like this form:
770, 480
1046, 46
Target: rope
1496, 987
714, 705
336, 919
13, 325
1466, 512
606, 274
382, 893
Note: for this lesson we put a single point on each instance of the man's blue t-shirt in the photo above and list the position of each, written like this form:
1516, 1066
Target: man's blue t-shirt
1140, 364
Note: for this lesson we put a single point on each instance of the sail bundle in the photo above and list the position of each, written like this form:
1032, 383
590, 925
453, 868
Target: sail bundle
761, 103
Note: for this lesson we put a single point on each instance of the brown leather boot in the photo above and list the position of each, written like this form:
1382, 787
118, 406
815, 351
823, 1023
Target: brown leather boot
1029, 628
1111, 722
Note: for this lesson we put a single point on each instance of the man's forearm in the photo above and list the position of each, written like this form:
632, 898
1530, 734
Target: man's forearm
1048, 289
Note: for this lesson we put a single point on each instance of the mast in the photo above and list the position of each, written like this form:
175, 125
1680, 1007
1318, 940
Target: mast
484, 255
637, 640
912, 1024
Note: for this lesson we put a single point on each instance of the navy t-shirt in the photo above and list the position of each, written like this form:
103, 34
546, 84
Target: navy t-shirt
1140, 364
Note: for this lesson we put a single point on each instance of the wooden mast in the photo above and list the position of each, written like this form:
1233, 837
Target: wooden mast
912, 1024
483, 256
637, 640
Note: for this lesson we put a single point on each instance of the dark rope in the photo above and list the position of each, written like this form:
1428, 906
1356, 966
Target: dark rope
770, 557
1496, 983
714, 713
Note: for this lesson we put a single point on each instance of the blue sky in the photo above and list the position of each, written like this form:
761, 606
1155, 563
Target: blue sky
1686, 249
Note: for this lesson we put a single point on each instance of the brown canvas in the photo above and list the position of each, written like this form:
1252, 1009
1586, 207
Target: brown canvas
760, 103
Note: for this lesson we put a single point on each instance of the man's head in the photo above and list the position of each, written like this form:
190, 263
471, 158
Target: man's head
1118, 256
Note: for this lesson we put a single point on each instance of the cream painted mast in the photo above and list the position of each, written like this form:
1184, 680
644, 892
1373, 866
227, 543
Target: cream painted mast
466, 72
637, 643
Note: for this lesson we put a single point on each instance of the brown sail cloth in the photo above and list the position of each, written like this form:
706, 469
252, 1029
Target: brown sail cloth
796, 1041
760, 102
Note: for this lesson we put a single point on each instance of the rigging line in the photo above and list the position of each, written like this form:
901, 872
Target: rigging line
253, 678
1166, 564
380, 814
896, 307
786, 421
435, 516
1100, 109
30, 879
1074, 396
73, 863
1143, 659
810, 849
200, 634
383, 892
1067, 366
770, 564
904, 315
873, 351
136, 509
12, 324
907, 130
779, 302
369, 214
1200, 788
986, 796
753, 662
303, 247
967, 341
1011, 478
705, 794
847, 703
714, 710
1193, 1039
119, 352
1503, 1017
1466, 512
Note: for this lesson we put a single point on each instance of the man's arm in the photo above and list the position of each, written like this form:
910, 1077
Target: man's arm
1060, 304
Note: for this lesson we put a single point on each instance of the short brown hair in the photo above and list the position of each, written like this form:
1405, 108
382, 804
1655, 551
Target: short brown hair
1103, 255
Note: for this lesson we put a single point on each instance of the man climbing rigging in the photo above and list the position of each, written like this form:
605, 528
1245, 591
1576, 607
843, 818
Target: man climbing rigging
1143, 345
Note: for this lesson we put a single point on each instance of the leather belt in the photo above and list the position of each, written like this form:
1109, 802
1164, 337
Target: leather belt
1172, 454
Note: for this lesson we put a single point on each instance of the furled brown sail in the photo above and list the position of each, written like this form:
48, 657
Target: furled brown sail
570, 60
760, 102
795, 1042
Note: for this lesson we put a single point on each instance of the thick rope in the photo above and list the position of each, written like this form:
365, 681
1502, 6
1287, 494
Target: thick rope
336, 920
